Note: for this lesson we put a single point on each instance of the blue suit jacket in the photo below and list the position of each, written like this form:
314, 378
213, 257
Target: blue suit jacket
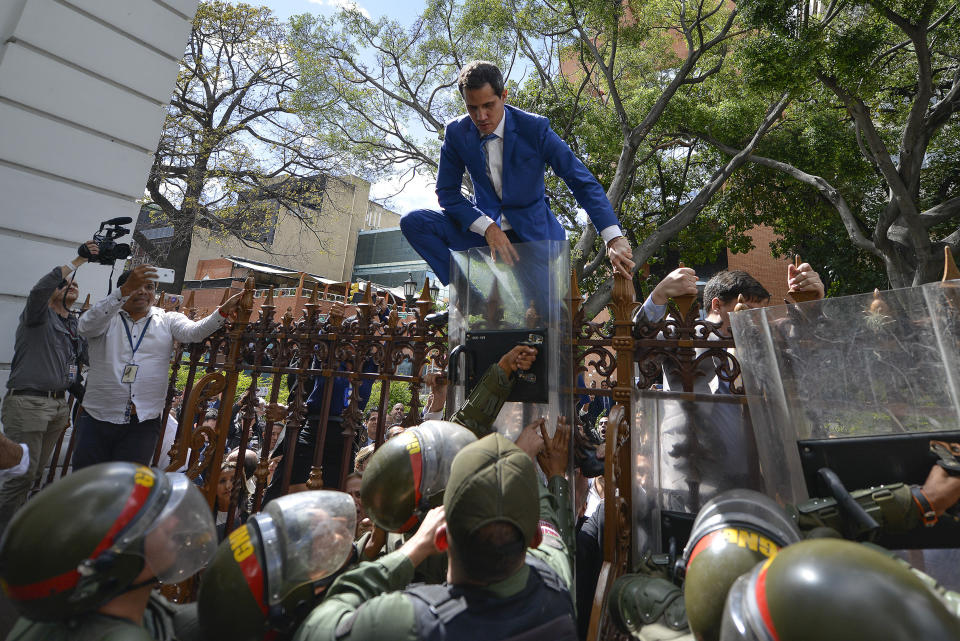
528, 145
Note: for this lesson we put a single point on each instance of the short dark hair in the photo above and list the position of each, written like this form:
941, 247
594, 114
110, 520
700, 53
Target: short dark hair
492, 553
477, 73
728, 285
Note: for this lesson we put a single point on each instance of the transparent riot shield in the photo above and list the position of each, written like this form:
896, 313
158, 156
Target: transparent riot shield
494, 307
858, 384
687, 448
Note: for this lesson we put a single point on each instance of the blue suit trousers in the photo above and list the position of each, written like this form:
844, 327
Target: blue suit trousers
434, 235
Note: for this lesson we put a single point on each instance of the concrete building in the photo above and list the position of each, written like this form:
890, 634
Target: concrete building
346, 210
83, 91
385, 257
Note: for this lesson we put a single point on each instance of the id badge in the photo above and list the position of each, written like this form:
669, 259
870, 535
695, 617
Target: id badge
73, 374
129, 373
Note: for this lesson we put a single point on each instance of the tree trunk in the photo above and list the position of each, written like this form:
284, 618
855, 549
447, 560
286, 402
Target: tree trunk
177, 260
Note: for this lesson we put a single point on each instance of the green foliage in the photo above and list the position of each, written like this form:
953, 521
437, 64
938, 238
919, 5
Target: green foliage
604, 72
233, 155
399, 393
864, 68
244, 380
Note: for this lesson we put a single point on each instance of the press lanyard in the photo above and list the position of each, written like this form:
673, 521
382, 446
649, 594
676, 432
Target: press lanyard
134, 348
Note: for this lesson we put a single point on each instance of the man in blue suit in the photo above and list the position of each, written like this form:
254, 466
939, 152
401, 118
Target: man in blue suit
504, 149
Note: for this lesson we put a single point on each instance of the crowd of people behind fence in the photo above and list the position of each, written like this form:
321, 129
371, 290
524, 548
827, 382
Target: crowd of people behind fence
445, 530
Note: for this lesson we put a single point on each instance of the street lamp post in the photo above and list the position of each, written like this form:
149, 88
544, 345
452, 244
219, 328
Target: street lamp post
409, 289
434, 291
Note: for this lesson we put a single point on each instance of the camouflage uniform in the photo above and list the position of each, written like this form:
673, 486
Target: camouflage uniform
373, 601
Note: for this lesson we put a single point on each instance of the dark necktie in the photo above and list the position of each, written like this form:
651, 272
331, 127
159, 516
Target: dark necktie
483, 152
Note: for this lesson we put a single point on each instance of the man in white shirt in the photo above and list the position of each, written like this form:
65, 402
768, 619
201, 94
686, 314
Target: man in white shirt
711, 443
130, 345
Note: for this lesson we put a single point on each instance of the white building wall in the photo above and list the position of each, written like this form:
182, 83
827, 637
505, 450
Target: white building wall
83, 89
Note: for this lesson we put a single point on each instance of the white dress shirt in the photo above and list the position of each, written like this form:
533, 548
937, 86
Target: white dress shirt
107, 398
494, 152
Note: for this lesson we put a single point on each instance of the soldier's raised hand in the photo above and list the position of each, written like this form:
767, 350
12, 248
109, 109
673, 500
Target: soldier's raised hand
556, 451
520, 357
531, 439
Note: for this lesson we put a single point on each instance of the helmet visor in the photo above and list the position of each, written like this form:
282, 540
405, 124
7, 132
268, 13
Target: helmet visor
740, 620
311, 535
183, 539
440, 441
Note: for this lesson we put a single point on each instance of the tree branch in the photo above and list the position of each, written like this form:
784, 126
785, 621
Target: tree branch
941, 212
828, 191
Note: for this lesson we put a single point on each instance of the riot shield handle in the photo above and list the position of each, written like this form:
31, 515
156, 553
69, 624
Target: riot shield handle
453, 362
848, 506
947, 455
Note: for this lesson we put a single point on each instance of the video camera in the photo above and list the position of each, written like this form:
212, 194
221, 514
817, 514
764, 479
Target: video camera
110, 250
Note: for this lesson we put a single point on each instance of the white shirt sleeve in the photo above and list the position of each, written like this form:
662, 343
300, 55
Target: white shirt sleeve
651, 311
187, 331
479, 226
609, 233
96, 320
433, 416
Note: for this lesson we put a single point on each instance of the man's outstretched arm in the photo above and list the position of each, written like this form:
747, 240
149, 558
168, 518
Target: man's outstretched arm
591, 196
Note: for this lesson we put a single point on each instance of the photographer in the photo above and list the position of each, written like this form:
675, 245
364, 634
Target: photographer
131, 342
46, 361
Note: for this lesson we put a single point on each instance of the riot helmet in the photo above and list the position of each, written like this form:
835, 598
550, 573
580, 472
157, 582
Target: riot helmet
102, 531
834, 590
733, 532
271, 572
407, 474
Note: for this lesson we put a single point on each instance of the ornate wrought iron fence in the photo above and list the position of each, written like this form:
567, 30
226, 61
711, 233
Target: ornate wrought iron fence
622, 354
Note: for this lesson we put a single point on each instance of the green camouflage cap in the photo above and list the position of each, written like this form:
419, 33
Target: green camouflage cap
492, 480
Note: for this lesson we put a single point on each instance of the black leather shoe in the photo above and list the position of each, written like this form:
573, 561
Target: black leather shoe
437, 319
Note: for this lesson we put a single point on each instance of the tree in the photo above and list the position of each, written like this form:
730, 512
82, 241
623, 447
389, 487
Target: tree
607, 73
233, 155
874, 131
381, 92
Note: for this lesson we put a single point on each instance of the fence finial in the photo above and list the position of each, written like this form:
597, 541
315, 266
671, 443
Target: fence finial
950, 271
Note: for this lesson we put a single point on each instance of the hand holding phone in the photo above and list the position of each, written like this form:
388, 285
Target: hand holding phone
164, 275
